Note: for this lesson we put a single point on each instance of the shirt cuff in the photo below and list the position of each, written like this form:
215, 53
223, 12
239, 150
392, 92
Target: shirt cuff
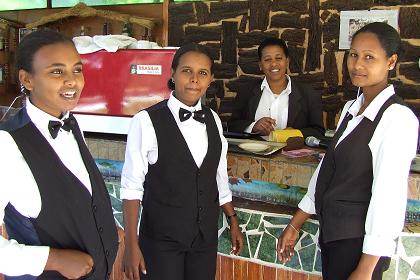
225, 199
379, 245
131, 194
249, 128
307, 205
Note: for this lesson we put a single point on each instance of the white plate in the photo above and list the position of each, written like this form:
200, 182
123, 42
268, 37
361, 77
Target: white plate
253, 147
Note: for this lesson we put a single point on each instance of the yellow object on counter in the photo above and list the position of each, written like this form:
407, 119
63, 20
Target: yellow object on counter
281, 135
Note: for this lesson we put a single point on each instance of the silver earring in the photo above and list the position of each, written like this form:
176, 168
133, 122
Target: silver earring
391, 67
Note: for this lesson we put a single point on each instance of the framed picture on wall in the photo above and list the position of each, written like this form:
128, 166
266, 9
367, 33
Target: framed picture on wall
351, 21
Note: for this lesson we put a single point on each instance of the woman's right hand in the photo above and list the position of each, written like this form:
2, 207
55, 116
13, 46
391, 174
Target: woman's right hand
72, 264
133, 262
286, 244
264, 126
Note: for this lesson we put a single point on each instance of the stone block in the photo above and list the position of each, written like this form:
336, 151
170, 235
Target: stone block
254, 38
411, 71
229, 42
294, 36
299, 6
199, 34
225, 70
259, 11
409, 22
331, 28
296, 56
313, 52
343, 5
291, 20
225, 10
242, 83
202, 12
214, 50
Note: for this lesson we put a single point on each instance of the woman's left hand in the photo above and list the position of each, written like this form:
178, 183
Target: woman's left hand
236, 236
358, 274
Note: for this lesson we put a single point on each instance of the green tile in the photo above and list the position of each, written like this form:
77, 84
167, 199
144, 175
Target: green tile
318, 263
416, 268
261, 228
116, 204
110, 188
274, 231
403, 270
294, 262
307, 257
390, 273
245, 250
411, 245
243, 217
254, 239
224, 244
119, 218
254, 222
307, 240
220, 221
310, 228
267, 250
277, 220
117, 187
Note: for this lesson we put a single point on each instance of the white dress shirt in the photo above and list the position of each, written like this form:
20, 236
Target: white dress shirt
393, 147
19, 188
142, 150
275, 106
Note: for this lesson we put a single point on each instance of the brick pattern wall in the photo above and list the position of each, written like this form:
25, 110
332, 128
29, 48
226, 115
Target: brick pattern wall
232, 31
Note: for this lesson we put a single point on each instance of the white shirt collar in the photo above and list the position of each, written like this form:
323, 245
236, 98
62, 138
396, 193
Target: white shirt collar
174, 104
287, 90
41, 118
373, 108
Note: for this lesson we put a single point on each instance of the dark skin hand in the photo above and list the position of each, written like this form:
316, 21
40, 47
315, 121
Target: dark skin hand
72, 264
264, 126
235, 231
133, 260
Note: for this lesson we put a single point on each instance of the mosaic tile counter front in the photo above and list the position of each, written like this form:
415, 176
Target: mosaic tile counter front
279, 181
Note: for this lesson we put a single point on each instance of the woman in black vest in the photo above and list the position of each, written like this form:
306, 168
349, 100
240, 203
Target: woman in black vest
176, 165
53, 199
359, 190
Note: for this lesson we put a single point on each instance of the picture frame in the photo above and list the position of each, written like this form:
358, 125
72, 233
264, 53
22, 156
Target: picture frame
351, 21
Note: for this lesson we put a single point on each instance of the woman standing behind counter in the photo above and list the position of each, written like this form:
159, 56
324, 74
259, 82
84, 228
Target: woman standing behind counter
176, 166
359, 190
278, 102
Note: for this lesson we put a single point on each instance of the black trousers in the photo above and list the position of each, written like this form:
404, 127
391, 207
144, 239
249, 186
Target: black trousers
171, 260
340, 258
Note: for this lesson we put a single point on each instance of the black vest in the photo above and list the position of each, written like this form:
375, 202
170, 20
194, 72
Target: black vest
181, 199
70, 218
344, 184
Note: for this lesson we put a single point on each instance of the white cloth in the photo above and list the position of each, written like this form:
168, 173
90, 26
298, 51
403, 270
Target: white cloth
110, 43
19, 188
275, 106
142, 150
393, 147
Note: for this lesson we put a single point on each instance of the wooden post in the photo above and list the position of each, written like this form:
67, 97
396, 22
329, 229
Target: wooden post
165, 22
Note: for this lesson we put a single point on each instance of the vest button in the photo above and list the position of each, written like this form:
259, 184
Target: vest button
101, 229
94, 208
200, 208
107, 253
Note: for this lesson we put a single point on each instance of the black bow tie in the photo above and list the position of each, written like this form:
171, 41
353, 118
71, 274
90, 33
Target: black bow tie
185, 115
54, 126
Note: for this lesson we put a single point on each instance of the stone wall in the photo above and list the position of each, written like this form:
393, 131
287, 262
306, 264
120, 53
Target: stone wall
232, 30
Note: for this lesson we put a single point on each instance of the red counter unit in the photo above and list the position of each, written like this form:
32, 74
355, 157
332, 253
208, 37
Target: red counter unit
120, 84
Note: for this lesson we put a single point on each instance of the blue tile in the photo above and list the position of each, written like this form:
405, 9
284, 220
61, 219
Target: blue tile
277, 220
307, 240
267, 251
254, 222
